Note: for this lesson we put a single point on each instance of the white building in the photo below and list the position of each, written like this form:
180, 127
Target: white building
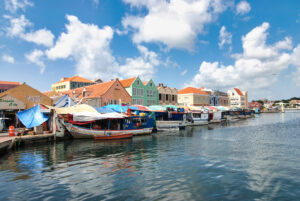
238, 98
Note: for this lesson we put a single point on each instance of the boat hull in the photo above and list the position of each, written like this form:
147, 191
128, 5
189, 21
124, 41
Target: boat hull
79, 132
170, 125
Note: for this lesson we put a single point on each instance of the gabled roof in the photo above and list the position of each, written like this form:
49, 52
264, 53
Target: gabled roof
127, 82
7, 82
238, 91
75, 79
191, 90
91, 91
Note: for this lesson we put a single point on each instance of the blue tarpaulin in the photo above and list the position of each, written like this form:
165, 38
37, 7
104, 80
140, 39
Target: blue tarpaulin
119, 108
104, 110
32, 117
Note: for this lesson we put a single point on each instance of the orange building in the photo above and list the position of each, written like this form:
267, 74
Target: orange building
101, 94
193, 97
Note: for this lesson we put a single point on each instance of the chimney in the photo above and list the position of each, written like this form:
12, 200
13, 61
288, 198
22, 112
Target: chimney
161, 85
63, 78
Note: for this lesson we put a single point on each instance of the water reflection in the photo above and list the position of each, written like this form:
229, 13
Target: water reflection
255, 159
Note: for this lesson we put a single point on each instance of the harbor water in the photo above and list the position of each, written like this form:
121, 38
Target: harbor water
253, 159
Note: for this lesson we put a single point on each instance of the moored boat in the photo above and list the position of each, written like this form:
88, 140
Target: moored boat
110, 128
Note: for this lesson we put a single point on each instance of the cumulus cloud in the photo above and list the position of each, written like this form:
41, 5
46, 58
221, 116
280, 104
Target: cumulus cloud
89, 46
243, 8
257, 67
142, 66
18, 27
7, 58
175, 23
225, 38
36, 57
14, 5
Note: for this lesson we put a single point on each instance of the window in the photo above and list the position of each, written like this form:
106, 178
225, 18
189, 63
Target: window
173, 97
138, 82
167, 97
134, 91
159, 96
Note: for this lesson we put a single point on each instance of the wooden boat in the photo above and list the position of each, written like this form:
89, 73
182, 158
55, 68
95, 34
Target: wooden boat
116, 128
170, 120
197, 118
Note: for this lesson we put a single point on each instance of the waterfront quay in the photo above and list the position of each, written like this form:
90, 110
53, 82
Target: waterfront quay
251, 159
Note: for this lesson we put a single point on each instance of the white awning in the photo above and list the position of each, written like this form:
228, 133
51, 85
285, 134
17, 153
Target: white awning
91, 116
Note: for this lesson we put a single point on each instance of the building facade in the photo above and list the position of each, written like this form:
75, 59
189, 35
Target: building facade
141, 93
101, 94
71, 83
27, 95
5, 85
222, 98
167, 95
191, 96
238, 98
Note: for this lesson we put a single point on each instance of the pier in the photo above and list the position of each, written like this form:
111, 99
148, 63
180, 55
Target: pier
8, 142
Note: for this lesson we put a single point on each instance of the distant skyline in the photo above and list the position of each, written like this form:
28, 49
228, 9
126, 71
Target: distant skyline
252, 45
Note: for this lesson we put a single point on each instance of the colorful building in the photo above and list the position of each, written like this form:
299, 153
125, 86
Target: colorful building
5, 85
71, 83
167, 95
193, 97
101, 94
238, 98
142, 93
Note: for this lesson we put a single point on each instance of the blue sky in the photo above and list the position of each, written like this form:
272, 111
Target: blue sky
253, 45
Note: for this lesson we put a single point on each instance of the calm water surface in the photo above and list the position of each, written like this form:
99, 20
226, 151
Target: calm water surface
255, 159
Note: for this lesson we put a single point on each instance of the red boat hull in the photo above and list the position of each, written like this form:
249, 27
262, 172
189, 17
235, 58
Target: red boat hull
114, 136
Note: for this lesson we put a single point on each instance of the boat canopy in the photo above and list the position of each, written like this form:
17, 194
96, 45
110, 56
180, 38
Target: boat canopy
221, 108
91, 116
211, 108
104, 110
119, 108
156, 108
32, 117
74, 109
141, 107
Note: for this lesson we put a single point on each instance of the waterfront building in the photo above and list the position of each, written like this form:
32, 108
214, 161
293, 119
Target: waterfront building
193, 97
19, 98
101, 94
167, 95
142, 93
238, 98
71, 83
294, 103
5, 85
255, 105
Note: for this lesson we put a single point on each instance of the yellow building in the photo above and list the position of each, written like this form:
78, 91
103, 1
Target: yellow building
193, 97
71, 83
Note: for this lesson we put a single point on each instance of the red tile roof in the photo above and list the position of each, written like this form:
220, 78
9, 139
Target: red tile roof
127, 82
191, 90
75, 79
7, 82
91, 91
239, 92
145, 83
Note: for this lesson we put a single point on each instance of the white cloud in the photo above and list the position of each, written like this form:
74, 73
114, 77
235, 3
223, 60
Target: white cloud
40, 37
18, 27
175, 23
183, 72
36, 57
89, 46
225, 38
7, 58
257, 67
143, 66
243, 8
14, 5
